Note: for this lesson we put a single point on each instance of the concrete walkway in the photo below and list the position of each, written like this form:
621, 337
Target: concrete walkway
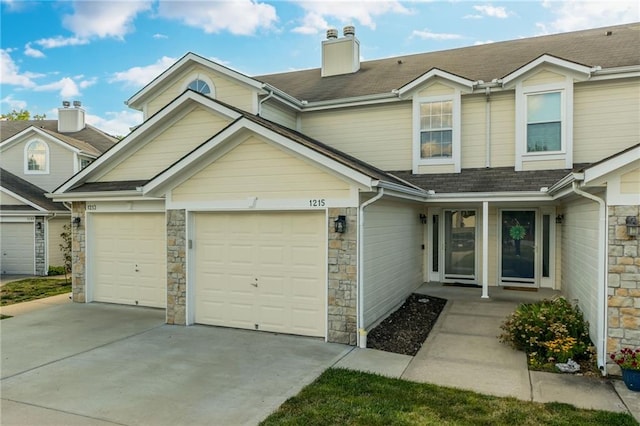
463, 351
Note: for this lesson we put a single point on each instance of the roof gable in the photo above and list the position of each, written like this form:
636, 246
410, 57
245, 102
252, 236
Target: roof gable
578, 71
27, 192
66, 142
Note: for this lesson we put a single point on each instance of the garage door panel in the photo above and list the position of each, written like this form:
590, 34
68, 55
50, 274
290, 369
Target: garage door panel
17, 251
128, 258
262, 246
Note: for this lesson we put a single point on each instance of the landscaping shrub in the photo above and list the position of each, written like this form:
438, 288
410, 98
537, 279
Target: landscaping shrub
550, 331
56, 270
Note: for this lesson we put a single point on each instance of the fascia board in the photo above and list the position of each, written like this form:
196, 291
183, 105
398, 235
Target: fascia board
460, 81
106, 195
521, 72
160, 119
490, 196
165, 179
407, 192
22, 199
614, 164
20, 136
184, 62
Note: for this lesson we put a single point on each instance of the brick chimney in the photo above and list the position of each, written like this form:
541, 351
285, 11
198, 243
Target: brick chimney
340, 55
70, 119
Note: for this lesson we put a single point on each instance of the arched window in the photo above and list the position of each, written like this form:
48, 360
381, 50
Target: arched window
36, 157
200, 86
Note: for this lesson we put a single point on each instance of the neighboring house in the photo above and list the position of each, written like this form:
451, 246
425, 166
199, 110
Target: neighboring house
314, 202
35, 157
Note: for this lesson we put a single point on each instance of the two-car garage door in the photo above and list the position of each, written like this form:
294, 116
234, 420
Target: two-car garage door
261, 271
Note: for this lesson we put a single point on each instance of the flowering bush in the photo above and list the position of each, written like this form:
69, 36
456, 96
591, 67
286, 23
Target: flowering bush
627, 359
549, 331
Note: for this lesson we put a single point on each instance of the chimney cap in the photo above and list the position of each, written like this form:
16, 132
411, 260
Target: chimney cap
349, 30
77, 104
332, 33
66, 104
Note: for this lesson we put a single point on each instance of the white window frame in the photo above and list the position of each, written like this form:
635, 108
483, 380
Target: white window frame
26, 158
204, 78
418, 161
565, 88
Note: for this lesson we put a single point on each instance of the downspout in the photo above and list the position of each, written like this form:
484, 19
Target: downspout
263, 100
487, 138
601, 344
362, 333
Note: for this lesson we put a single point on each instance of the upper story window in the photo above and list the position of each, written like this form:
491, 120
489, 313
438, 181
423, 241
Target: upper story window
36, 157
544, 126
199, 86
436, 140
544, 122
436, 129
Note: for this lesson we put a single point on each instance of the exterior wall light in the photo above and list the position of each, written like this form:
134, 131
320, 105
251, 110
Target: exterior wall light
340, 224
632, 226
423, 218
76, 221
39, 226
560, 218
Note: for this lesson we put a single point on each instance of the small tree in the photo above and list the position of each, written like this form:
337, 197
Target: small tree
65, 248
21, 115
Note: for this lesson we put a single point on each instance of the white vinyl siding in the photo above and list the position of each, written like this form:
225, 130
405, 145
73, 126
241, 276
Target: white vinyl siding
17, 248
379, 135
503, 129
279, 114
261, 271
392, 270
8, 200
127, 258
630, 182
606, 118
54, 229
176, 141
473, 133
580, 257
61, 164
257, 168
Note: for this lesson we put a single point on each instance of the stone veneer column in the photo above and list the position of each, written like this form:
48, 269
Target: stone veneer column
40, 247
176, 267
342, 277
78, 252
624, 283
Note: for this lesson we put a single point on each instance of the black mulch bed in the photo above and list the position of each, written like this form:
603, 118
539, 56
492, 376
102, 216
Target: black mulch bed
405, 330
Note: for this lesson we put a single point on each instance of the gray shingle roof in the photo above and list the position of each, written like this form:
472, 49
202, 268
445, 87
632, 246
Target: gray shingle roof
485, 62
90, 140
27, 190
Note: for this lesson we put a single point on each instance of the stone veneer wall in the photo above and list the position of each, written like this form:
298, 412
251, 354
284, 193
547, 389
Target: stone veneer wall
343, 278
624, 282
176, 267
78, 252
40, 247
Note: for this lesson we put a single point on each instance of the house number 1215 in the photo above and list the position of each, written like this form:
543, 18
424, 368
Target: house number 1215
317, 203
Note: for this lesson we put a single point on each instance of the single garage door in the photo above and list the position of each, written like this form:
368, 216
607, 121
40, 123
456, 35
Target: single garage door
17, 241
128, 258
261, 271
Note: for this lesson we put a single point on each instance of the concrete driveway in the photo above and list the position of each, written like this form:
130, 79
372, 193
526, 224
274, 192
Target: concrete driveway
97, 364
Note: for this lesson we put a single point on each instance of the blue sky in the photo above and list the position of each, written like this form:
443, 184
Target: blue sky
102, 52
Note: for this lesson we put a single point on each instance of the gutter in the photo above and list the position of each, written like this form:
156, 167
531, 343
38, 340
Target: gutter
601, 344
362, 333
263, 100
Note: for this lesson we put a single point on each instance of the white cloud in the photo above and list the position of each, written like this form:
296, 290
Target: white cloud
116, 123
160, 36
59, 41
104, 18
573, 15
16, 104
428, 35
66, 87
480, 42
140, 76
10, 73
240, 17
492, 11
34, 53
346, 12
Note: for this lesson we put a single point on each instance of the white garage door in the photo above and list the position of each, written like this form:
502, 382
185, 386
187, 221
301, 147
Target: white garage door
17, 241
128, 258
262, 271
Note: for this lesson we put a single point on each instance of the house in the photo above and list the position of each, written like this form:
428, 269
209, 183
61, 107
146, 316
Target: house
36, 156
314, 202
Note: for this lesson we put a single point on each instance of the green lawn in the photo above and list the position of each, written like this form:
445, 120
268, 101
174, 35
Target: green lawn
343, 397
32, 289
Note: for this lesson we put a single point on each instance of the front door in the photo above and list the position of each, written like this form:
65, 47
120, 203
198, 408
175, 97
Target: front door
460, 245
518, 248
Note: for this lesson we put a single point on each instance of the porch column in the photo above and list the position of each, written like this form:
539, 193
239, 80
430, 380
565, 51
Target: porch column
485, 249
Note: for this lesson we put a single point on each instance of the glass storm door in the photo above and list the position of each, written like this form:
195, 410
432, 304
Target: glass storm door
518, 252
460, 245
